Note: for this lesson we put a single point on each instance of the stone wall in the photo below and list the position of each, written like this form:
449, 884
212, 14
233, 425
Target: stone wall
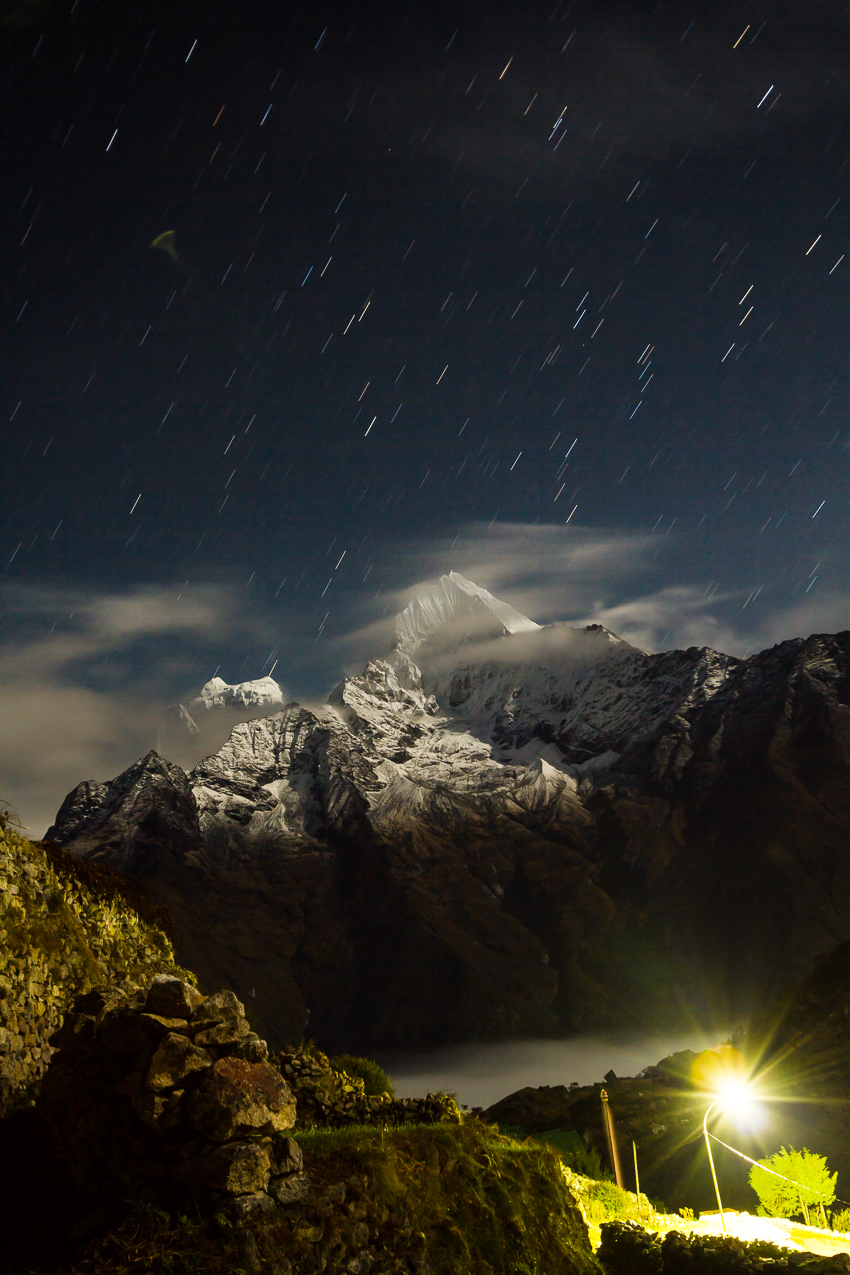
166, 1094
64, 928
329, 1099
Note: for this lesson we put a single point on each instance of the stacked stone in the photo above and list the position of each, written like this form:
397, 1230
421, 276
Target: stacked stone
57, 939
332, 1099
626, 1248
168, 1091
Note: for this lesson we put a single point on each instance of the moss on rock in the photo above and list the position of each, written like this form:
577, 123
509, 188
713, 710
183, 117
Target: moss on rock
65, 927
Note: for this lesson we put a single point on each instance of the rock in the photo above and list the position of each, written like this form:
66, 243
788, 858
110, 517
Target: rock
176, 1057
221, 1007
250, 1048
334, 1194
248, 1252
223, 1033
236, 1096
170, 1116
173, 1112
289, 1189
361, 1263
220, 1020
235, 1167
676, 1254
627, 1249
289, 1158
172, 998
310, 1233
127, 1033
360, 1235
149, 1108
245, 1207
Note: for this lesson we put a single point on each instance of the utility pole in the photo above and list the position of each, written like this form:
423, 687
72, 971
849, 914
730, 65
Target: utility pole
608, 1121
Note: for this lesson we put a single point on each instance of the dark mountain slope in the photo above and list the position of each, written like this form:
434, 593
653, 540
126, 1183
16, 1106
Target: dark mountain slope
590, 836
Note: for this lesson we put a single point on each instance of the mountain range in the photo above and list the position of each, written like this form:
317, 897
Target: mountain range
499, 829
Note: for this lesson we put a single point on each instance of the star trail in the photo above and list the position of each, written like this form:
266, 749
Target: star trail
305, 303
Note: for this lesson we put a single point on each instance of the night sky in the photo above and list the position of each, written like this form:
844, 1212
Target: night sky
550, 294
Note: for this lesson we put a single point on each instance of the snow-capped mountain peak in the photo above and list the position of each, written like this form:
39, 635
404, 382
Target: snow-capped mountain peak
263, 692
452, 611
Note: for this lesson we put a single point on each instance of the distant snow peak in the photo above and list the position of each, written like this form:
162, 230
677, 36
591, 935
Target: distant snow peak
452, 611
263, 692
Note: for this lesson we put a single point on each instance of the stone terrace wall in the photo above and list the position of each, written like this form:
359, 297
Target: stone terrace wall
329, 1099
62, 931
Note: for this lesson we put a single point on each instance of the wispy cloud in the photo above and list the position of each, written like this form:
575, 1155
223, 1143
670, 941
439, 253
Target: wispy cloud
86, 699
618, 91
595, 575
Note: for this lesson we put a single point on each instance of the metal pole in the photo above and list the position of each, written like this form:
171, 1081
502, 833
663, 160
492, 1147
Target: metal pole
637, 1179
711, 1162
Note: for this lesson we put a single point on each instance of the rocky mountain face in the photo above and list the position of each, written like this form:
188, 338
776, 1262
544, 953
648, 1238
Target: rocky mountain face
503, 829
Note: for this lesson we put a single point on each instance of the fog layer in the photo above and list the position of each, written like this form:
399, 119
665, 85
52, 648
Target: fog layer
480, 1075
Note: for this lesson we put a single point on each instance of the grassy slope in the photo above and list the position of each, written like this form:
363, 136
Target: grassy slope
455, 1200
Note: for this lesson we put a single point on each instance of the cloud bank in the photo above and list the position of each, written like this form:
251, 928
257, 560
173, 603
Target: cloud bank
85, 682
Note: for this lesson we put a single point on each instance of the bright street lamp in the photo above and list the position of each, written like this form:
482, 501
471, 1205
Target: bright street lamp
734, 1096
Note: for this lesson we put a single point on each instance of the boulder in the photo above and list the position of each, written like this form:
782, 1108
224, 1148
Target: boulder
220, 1020
236, 1167
134, 1104
289, 1158
175, 1059
249, 1047
149, 1107
223, 1033
245, 1207
289, 1189
127, 1033
172, 998
236, 1097
221, 1007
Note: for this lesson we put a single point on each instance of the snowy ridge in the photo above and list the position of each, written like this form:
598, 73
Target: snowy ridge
263, 692
592, 694
540, 717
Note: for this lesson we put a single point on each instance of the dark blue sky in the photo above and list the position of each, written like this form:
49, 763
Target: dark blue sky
424, 251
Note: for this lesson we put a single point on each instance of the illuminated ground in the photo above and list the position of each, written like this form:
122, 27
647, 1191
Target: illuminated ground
777, 1230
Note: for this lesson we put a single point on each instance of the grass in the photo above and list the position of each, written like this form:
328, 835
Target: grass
483, 1202
472, 1201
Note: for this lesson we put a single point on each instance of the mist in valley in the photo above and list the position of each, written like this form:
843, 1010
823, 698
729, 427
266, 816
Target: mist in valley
480, 1074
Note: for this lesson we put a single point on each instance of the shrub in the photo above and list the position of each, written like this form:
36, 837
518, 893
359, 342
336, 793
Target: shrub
811, 1183
841, 1220
587, 1161
375, 1079
613, 1204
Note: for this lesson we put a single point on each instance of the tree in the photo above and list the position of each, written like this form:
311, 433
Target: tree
811, 1183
